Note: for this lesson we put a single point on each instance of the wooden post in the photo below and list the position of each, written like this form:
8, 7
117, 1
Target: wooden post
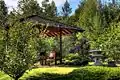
60, 46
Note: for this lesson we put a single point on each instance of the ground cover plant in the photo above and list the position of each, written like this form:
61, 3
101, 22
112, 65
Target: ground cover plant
4, 76
73, 73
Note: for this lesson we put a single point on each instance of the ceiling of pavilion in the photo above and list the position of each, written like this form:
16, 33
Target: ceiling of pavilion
52, 28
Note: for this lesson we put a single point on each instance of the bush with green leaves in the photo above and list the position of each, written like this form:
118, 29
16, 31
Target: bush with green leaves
75, 59
83, 73
95, 73
47, 76
4, 76
18, 49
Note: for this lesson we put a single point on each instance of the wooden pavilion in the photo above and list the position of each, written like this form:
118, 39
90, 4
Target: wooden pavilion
52, 28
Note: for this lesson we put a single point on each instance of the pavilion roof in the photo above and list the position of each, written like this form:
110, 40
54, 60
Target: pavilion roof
52, 27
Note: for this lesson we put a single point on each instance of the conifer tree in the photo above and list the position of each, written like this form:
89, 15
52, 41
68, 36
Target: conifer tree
66, 9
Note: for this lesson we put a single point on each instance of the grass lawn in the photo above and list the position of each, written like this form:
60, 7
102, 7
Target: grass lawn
63, 71
58, 70
67, 70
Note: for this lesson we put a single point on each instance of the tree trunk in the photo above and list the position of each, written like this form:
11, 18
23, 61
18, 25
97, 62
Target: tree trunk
16, 78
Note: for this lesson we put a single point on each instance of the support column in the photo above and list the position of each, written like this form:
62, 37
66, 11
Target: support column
60, 46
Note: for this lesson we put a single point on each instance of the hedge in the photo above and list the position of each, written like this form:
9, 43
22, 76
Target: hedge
83, 73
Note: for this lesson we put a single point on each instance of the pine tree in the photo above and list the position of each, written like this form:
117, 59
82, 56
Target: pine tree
66, 9
89, 16
79, 10
90, 20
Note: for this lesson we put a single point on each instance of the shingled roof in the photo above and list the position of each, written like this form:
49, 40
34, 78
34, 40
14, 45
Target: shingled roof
52, 27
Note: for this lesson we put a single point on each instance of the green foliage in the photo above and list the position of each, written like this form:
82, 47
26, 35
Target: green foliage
90, 20
3, 76
83, 73
49, 9
90, 7
66, 9
84, 47
95, 73
75, 59
19, 53
109, 41
109, 15
67, 44
29, 7
47, 76
3, 13
101, 25
2, 46
78, 11
72, 57
55, 70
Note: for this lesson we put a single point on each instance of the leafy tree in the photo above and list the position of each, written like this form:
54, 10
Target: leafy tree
90, 20
21, 52
29, 7
84, 47
2, 47
53, 9
3, 13
49, 9
109, 14
17, 45
3, 31
109, 41
78, 11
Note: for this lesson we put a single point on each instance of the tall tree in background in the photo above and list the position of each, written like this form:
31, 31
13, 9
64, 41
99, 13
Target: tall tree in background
79, 10
4, 30
53, 10
90, 19
69, 41
110, 14
66, 9
29, 7
45, 6
3, 13
49, 9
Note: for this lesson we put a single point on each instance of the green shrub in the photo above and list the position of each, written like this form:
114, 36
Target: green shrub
95, 73
4, 76
75, 59
83, 73
47, 76
72, 57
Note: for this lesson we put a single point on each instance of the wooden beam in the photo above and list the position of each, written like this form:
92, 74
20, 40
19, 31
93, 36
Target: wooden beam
67, 31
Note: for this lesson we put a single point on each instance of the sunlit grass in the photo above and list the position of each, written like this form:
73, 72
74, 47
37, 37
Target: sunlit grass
66, 70
58, 70
4, 76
